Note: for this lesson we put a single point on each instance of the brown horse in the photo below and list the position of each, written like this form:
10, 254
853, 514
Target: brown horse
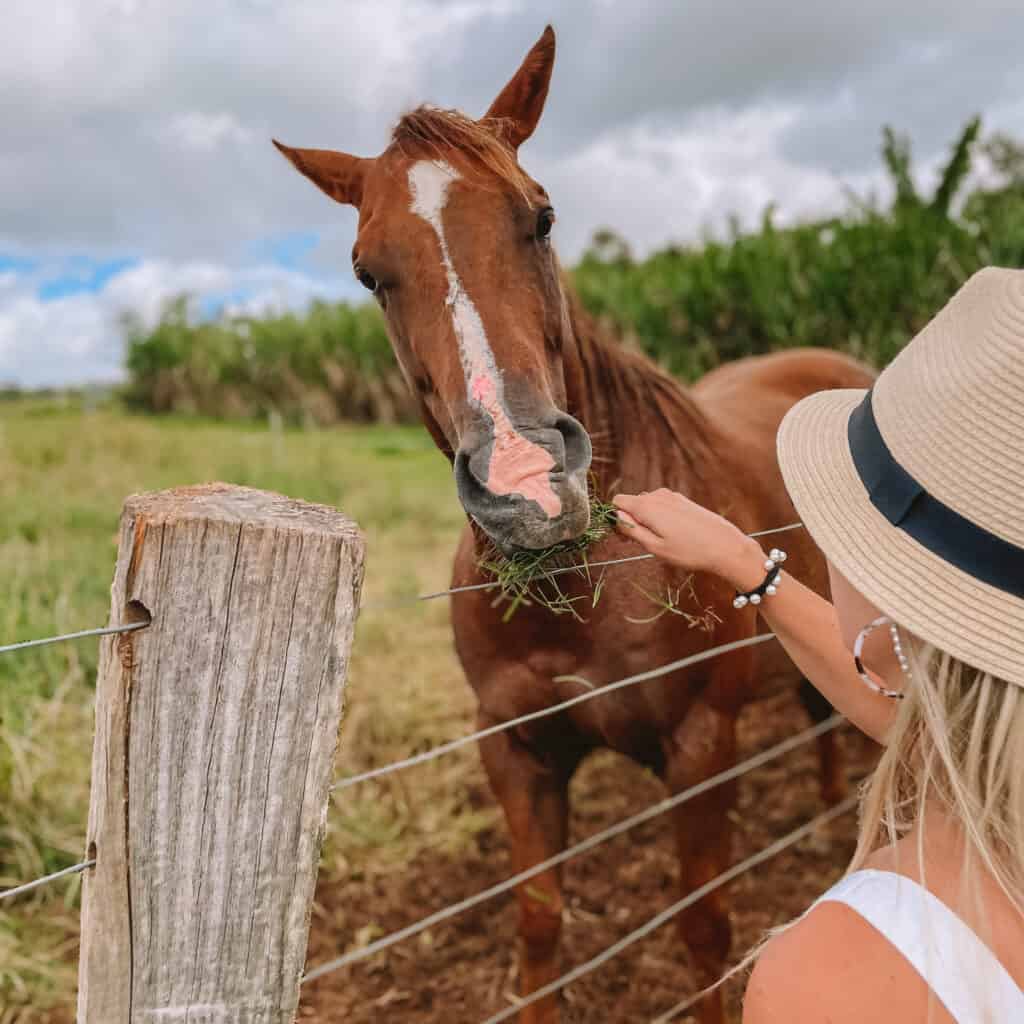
513, 380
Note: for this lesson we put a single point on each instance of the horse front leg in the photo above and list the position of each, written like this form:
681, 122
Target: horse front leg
703, 745
534, 797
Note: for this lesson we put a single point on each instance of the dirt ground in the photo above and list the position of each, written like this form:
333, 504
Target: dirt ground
465, 970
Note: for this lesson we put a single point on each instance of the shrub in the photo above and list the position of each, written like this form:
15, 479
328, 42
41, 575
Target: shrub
332, 363
864, 282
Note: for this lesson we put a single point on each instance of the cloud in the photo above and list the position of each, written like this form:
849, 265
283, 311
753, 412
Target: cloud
197, 130
145, 126
78, 338
654, 187
142, 127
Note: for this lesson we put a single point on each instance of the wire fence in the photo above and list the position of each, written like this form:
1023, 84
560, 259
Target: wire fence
401, 602
553, 709
101, 631
20, 890
661, 807
777, 847
591, 691
678, 907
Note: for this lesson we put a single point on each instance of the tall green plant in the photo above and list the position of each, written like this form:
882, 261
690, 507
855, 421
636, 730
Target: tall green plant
864, 282
897, 156
955, 172
332, 363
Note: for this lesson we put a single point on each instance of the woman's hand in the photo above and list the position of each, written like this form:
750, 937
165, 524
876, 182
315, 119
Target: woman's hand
684, 533
680, 531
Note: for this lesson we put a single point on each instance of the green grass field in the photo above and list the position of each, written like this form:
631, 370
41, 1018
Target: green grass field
64, 472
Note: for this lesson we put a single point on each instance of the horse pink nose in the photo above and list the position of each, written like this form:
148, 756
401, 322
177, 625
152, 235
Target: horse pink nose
527, 489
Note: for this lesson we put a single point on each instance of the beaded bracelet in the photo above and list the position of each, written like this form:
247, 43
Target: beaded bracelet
768, 586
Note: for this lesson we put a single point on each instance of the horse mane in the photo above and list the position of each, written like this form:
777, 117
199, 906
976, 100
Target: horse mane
440, 134
646, 428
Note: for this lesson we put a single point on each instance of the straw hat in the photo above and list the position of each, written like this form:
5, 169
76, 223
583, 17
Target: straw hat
914, 488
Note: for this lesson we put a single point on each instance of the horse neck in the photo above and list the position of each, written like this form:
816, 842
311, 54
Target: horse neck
647, 430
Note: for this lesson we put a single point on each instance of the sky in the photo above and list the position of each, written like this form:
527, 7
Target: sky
135, 156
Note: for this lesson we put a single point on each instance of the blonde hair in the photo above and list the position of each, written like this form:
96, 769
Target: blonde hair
956, 746
956, 749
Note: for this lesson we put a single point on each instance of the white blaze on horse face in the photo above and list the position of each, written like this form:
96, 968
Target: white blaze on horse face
517, 465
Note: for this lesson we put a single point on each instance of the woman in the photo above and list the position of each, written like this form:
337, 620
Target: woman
914, 491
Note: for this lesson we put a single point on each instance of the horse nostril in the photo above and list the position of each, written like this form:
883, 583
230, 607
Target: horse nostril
578, 450
469, 486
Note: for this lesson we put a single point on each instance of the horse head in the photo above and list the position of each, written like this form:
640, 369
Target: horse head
454, 243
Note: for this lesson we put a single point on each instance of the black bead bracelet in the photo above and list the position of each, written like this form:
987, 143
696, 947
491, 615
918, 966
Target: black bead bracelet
768, 586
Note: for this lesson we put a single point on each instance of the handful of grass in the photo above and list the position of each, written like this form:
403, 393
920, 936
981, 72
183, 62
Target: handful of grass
532, 577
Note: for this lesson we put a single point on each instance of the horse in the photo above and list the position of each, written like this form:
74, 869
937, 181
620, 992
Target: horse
537, 409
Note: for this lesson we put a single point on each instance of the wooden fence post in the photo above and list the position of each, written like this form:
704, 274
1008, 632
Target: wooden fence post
216, 729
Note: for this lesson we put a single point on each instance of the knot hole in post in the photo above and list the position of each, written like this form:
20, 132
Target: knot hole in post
136, 611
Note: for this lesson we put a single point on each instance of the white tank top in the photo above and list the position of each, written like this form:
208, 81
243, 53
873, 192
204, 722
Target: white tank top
957, 966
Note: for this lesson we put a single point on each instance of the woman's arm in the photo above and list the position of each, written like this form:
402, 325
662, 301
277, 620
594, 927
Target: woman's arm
807, 627
680, 531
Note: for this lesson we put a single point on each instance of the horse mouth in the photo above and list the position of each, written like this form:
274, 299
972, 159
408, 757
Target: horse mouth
516, 524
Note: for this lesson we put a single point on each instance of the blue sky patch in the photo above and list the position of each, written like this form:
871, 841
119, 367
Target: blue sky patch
212, 305
18, 264
83, 275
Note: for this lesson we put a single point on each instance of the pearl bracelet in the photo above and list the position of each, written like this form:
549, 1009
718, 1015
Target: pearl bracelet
768, 586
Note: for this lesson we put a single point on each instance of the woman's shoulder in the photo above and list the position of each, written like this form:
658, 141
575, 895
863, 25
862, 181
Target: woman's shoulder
832, 965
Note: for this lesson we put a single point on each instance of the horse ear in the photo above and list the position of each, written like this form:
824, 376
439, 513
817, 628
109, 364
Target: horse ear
338, 174
522, 100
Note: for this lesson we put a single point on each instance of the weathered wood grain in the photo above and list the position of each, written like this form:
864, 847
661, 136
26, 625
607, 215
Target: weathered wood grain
216, 731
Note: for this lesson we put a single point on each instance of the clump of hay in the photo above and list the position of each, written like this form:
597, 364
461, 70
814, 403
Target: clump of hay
671, 604
532, 577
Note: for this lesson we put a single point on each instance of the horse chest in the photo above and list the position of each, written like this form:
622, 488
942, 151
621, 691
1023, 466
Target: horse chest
536, 659
521, 667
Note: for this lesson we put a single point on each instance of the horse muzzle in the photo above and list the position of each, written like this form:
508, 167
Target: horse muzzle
528, 488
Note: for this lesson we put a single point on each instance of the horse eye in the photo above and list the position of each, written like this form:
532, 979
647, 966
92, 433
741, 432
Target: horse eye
366, 279
545, 222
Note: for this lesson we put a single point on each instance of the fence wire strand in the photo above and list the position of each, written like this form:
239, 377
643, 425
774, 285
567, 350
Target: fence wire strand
102, 631
587, 844
583, 567
639, 677
447, 748
22, 645
687, 901
659, 808
29, 886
